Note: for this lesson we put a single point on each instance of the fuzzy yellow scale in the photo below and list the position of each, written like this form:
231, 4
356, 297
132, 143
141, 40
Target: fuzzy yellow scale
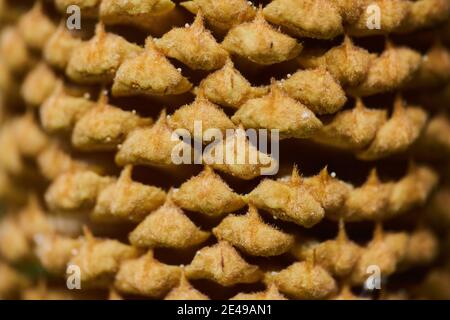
348, 170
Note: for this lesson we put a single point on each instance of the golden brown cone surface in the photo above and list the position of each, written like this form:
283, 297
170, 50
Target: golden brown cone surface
250, 234
208, 194
260, 43
221, 263
167, 226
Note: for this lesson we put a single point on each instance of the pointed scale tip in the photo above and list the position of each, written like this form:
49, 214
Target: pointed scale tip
126, 173
378, 233
295, 176
373, 178
342, 233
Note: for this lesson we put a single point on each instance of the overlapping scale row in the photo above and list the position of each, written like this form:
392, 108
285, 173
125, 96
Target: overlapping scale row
90, 119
